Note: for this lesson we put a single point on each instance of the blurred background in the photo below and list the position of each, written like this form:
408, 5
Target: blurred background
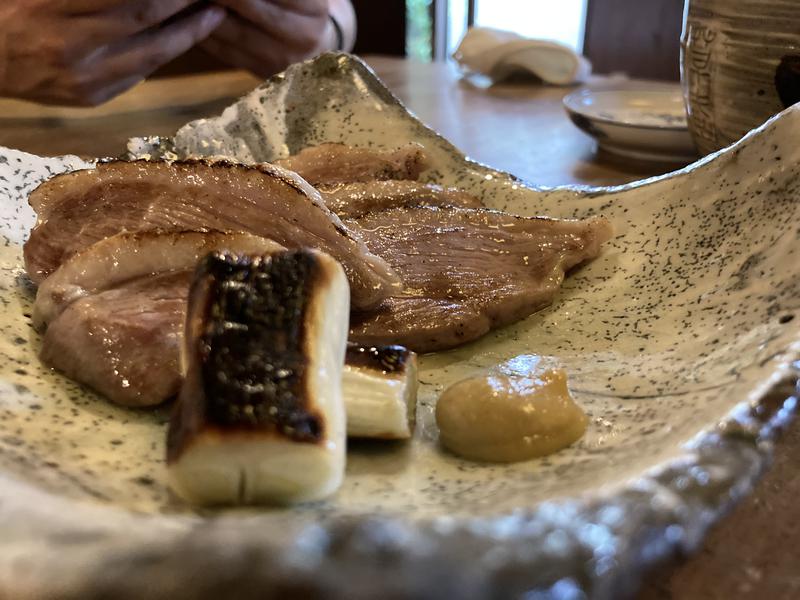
640, 39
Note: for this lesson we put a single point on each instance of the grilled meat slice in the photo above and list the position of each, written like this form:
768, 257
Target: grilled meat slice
467, 271
117, 309
127, 256
260, 417
123, 335
78, 209
353, 200
123, 342
331, 163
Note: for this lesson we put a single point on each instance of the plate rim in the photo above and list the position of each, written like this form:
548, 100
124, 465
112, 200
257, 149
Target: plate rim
397, 549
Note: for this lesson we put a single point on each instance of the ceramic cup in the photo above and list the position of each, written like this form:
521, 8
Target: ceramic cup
740, 64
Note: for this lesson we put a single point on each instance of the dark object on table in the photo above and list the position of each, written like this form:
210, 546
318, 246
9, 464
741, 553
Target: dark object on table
381, 27
787, 80
637, 38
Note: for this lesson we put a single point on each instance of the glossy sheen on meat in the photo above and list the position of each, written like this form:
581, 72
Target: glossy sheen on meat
78, 209
122, 309
127, 256
468, 271
337, 163
357, 199
125, 342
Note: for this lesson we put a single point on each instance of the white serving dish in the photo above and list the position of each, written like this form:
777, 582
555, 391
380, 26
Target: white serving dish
646, 124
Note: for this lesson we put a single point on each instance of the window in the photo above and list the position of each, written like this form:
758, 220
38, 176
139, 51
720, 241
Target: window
561, 21
419, 30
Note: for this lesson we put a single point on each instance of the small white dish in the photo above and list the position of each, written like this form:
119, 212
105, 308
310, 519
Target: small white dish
641, 124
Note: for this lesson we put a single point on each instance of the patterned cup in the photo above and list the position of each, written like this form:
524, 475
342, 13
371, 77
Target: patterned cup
740, 64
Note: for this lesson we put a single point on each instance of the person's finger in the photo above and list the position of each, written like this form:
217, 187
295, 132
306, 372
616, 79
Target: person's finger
290, 26
312, 8
274, 54
305, 7
235, 57
129, 18
139, 15
112, 90
240, 33
146, 52
82, 7
243, 45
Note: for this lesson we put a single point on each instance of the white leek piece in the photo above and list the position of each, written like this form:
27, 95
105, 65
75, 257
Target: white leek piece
379, 384
260, 417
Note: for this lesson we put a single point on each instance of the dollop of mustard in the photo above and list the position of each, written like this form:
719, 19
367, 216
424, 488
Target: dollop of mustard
504, 417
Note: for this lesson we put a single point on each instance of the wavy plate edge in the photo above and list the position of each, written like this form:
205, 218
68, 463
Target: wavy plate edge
595, 546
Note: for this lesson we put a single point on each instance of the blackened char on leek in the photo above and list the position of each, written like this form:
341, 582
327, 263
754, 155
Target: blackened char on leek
253, 368
264, 349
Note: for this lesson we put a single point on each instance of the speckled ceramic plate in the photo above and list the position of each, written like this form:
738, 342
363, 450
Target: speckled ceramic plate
679, 341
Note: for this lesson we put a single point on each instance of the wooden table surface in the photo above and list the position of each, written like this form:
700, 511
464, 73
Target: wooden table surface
521, 128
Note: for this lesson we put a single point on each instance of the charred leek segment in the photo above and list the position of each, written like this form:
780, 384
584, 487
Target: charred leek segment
260, 417
380, 391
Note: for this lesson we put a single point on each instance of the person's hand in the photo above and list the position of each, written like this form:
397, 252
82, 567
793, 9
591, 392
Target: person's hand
85, 52
266, 36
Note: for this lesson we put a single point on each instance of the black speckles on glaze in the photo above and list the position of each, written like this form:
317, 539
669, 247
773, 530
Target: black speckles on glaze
660, 337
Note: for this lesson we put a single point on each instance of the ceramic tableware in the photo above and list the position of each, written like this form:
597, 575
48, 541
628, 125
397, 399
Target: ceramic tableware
644, 124
680, 343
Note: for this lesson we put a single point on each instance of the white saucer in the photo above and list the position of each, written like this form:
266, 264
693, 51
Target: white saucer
640, 124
